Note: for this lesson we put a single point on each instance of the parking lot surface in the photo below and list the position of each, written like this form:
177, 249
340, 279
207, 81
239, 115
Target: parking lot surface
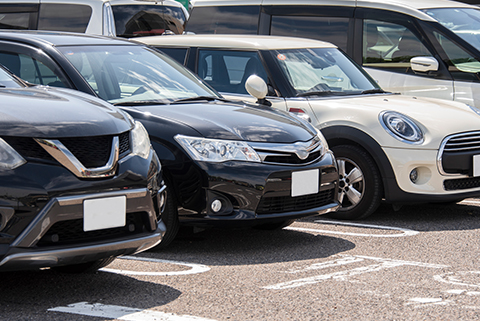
417, 263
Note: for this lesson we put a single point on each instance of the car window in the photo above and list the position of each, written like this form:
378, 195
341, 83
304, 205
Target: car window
461, 65
226, 19
178, 54
14, 20
64, 17
329, 29
390, 46
227, 70
30, 69
147, 20
322, 70
121, 74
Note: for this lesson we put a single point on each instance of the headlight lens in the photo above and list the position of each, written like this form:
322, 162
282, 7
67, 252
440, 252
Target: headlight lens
401, 127
9, 158
323, 141
140, 141
216, 150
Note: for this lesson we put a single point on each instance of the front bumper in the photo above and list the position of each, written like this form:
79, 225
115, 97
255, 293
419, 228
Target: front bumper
431, 185
56, 236
254, 193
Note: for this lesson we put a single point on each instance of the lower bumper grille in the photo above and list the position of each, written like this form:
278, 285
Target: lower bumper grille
462, 183
283, 204
71, 231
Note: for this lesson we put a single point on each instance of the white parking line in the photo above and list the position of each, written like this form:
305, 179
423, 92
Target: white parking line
344, 275
460, 278
405, 232
123, 313
194, 268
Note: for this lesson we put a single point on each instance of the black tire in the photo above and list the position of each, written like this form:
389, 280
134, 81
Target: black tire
359, 197
88, 267
169, 216
274, 225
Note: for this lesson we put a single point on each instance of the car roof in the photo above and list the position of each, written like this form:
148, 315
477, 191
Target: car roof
411, 7
54, 38
252, 42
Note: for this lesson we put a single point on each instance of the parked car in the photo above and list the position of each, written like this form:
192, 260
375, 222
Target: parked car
123, 18
225, 163
79, 181
398, 148
421, 48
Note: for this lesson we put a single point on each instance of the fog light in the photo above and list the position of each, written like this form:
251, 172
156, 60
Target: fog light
216, 206
414, 175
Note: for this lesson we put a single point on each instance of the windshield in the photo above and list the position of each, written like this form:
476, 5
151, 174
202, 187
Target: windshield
463, 22
122, 74
6, 80
323, 71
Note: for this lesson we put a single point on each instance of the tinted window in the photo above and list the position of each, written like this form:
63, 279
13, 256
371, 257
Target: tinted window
147, 20
178, 54
30, 69
390, 46
64, 17
227, 71
14, 20
329, 29
227, 19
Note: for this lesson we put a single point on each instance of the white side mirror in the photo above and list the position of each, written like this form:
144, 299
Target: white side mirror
424, 64
256, 87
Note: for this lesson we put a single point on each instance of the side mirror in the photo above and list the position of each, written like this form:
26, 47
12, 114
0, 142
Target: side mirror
424, 64
256, 87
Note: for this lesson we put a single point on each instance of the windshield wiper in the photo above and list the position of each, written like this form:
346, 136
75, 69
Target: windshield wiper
374, 91
140, 103
198, 98
321, 93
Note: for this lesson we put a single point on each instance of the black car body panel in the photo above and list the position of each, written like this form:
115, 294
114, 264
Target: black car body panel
196, 184
42, 212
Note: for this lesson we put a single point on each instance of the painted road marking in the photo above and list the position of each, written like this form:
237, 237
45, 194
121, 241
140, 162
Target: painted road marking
344, 275
123, 313
194, 268
405, 232
470, 202
459, 278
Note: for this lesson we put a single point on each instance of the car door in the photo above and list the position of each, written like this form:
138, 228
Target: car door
389, 41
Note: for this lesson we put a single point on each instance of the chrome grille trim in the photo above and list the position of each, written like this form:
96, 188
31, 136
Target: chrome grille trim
457, 143
301, 149
58, 151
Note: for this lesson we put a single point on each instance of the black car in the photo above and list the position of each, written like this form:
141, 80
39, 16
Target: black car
79, 181
224, 163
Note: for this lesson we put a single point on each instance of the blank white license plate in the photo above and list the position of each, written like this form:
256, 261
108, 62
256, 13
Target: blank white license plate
476, 165
305, 182
103, 213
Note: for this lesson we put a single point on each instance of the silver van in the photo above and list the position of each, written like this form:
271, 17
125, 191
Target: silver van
425, 48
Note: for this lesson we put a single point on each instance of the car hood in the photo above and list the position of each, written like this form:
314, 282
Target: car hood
228, 120
45, 112
437, 118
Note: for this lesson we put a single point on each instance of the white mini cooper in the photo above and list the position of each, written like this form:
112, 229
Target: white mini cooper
398, 148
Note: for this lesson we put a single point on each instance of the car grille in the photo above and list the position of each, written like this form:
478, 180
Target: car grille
90, 151
283, 204
462, 183
456, 153
71, 231
288, 154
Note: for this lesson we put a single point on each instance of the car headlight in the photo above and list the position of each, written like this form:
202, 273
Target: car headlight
323, 141
140, 141
9, 158
216, 150
401, 127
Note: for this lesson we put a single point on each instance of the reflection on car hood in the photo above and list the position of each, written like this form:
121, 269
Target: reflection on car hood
220, 120
49, 113
438, 118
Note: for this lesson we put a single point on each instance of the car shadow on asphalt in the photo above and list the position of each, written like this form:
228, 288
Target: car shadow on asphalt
424, 217
42, 290
245, 246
